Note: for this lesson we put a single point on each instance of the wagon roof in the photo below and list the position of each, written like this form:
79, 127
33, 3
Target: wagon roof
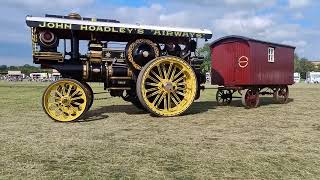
248, 39
116, 27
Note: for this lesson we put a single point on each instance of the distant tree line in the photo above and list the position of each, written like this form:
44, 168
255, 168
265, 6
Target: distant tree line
25, 69
301, 65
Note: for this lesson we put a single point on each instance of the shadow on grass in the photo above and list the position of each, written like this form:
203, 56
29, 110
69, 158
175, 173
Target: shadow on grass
99, 113
264, 101
201, 107
196, 108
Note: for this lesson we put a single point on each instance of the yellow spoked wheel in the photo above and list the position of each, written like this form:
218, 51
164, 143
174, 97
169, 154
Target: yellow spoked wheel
167, 86
65, 100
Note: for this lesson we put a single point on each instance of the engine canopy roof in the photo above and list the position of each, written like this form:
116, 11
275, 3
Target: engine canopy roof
114, 27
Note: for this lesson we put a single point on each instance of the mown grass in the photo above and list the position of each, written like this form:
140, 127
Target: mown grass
119, 141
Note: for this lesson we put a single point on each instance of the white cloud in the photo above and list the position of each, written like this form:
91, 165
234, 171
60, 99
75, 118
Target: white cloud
247, 4
46, 4
298, 3
243, 23
298, 15
299, 43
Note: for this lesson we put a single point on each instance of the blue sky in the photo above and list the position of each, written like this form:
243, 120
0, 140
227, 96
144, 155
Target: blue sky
294, 22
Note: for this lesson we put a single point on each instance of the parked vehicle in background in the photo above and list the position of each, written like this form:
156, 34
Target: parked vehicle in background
296, 77
313, 77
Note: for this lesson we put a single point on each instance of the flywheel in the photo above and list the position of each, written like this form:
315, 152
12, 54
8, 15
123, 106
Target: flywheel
167, 86
140, 52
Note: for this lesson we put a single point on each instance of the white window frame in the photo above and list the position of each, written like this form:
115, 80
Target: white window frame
271, 52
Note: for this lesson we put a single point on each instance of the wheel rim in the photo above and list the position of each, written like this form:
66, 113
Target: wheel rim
65, 100
224, 97
251, 98
168, 86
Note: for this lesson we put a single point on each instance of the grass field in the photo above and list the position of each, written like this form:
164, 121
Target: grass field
119, 141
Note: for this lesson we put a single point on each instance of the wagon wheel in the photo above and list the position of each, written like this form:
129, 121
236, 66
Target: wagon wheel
280, 95
65, 100
90, 94
250, 98
167, 86
224, 97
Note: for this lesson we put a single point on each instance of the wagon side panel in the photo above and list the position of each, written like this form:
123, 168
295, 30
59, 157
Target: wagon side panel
279, 72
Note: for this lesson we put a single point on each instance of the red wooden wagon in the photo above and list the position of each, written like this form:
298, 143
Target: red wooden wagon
252, 68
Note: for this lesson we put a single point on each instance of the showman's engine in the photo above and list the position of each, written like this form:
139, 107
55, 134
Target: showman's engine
119, 69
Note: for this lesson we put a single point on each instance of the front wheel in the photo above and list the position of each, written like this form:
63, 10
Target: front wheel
224, 97
65, 100
90, 94
167, 86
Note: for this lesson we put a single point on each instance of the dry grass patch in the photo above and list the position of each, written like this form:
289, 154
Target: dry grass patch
118, 140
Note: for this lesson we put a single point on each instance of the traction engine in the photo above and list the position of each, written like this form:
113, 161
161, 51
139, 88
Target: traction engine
157, 70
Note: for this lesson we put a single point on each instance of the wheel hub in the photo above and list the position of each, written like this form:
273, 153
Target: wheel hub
145, 54
168, 86
66, 101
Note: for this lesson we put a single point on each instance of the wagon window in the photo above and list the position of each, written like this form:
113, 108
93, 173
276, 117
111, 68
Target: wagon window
271, 54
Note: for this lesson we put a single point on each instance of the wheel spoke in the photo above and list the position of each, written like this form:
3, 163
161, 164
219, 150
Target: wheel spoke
160, 72
165, 105
156, 75
57, 92
176, 96
74, 109
174, 100
164, 71
173, 73
76, 91
181, 88
178, 74
160, 100
152, 89
76, 98
154, 93
153, 79
180, 79
155, 99
69, 90
169, 100
181, 93
63, 89
181, 84
169, 70
77, 103
151, 84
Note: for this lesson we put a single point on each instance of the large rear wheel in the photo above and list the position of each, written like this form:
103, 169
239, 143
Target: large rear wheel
167, 86
65, 100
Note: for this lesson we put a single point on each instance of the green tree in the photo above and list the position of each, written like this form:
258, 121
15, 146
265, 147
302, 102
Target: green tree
3, 67
302, 66
206, 53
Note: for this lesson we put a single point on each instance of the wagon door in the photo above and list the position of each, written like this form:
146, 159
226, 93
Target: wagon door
229, 60
241, 62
